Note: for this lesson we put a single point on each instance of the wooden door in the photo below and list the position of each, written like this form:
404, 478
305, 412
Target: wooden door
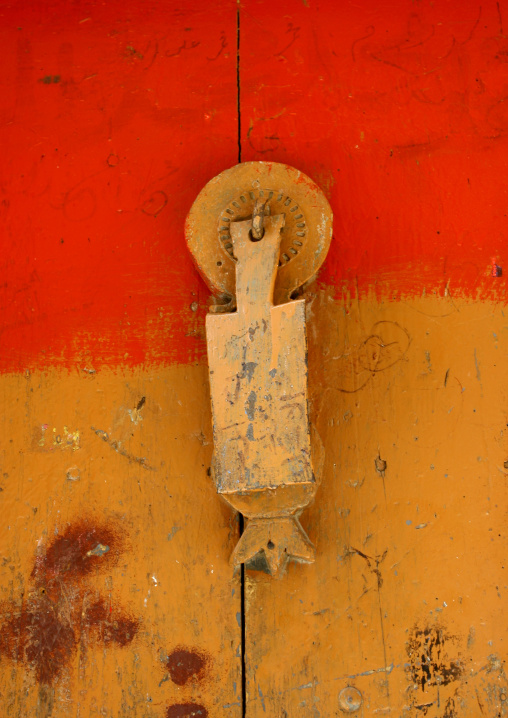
116, 593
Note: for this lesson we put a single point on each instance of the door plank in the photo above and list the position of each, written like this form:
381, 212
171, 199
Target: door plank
116, 594
117, 597
403, 602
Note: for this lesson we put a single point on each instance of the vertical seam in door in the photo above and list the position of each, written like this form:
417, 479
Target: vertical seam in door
238, 111
242, 610
240, 517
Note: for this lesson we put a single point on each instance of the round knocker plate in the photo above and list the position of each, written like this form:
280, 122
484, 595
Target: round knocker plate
231, 197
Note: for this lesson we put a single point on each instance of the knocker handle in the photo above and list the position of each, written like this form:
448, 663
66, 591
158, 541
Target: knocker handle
264, 464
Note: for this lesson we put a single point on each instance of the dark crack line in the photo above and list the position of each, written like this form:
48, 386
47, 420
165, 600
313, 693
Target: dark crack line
241, 525
243, 632
238, 111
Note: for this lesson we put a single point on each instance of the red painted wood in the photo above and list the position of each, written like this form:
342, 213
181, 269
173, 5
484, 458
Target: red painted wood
113, 116
398, 110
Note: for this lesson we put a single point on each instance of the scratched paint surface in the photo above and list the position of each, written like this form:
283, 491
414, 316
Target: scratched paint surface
406, 599
115, 116
397, 110
102, 119
116, 594
116, 597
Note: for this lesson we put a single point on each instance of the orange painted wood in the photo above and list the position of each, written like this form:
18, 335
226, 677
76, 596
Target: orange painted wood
116, 593
405, 602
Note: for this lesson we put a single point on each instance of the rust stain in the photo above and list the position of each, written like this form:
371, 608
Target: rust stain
110, 624
186, 710
76, 552
38, 635
45, 629
183, 665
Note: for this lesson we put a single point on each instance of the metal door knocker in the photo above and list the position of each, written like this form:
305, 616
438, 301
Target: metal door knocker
258, 232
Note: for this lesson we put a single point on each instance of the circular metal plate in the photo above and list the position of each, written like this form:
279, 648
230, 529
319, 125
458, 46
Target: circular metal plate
231, 196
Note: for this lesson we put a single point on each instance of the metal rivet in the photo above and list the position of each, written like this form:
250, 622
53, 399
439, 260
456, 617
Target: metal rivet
350, 699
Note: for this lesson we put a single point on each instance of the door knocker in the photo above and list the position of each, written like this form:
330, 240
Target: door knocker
258, 232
